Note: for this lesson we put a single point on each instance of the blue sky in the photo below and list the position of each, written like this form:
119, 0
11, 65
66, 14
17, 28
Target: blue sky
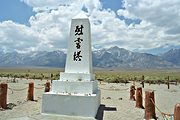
139, 25
112, 4
16, 11
20, 12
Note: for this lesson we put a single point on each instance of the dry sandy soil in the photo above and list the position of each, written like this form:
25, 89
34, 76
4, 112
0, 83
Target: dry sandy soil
115, 104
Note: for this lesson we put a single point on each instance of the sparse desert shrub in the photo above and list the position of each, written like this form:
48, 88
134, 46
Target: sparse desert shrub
99, 79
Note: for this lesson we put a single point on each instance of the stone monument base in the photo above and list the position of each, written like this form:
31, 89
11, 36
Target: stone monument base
76, 76
71, 104
79, 87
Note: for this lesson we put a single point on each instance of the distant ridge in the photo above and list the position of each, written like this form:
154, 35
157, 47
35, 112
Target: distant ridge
113, 57
173, 56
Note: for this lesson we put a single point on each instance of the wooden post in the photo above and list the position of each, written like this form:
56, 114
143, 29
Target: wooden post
139, 98
132, 93
31, 92
176, 82
149, 105
177, 112
3, 95
133, 82
47, 87
168, 82
149, 83
143, 81
51, 77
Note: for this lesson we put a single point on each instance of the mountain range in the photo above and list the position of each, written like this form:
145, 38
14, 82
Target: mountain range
113, 57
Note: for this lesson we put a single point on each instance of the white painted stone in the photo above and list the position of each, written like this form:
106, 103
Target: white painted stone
76, 77
73, 105
84, 87
76, 93
83, 67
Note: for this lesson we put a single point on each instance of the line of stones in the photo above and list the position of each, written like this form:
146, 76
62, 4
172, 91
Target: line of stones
149, 99
149, 103
30, 95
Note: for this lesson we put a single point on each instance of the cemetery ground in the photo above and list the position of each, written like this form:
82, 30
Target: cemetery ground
115, 92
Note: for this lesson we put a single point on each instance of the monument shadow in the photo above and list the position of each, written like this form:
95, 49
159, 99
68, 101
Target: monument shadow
102, 108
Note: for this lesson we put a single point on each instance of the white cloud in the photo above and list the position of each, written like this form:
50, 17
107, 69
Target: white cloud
49, 28
17, 37
46, 4
162, 13
92, 5
126, 14
160, 23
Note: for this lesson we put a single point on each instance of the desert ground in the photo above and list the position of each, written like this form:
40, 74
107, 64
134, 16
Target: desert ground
115, 103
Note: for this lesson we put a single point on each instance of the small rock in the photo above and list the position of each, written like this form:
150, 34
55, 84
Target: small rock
19, 102
120, 99
108, 98
10, 106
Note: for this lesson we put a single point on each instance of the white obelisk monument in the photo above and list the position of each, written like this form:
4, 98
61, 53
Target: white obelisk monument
76, 93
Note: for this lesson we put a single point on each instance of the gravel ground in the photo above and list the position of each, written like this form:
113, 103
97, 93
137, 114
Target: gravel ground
115, 103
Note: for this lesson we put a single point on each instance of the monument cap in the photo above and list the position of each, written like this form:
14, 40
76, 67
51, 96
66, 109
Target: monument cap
81, 15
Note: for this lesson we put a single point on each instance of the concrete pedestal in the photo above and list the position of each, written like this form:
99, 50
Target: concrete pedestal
76, 93
84, 87
71, 104
76, 76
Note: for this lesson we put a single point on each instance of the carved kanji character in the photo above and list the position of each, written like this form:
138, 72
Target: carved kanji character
78, 30
77, 56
